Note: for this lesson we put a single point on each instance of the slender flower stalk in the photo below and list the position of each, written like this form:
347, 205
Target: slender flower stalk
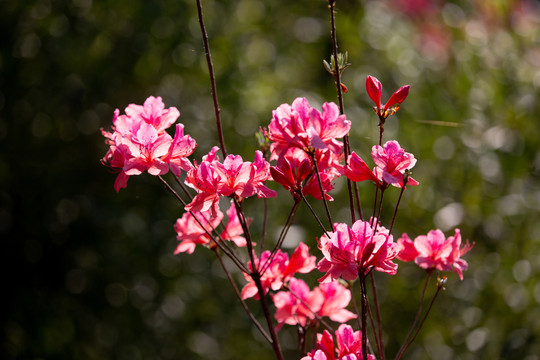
378, 337
217, 110
416, 318
364, 307
244, 305
351, 187
440, 286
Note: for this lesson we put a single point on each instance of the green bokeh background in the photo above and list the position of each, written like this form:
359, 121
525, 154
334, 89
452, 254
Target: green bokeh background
90, 274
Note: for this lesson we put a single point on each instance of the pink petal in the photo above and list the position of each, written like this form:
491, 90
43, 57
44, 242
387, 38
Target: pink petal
374, 90
397, 97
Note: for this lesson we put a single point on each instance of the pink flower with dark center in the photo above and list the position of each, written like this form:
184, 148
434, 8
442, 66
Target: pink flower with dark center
434, 251
374, 90
348, 342
392, 163
300, 125
348, 251
280, 269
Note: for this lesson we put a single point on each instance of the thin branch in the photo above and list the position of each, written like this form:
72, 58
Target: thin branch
405, 179
275, 341
265, 220
323, 194
418, 312
212, 78
380, 344
281, 238
364, 303
439, 288
314, 214
239, 295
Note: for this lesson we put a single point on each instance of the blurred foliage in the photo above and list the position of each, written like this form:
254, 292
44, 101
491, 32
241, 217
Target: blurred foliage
89, 274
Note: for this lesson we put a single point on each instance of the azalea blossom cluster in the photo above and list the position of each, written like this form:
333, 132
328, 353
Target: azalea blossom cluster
308, 156
139, 142
304, 139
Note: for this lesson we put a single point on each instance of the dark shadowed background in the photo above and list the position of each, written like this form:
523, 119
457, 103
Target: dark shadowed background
90, 274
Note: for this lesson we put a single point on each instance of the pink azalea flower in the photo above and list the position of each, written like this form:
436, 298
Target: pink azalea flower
205, 179
295, 171
190, 233
299, 125
336, 299
181, 147
434, 251
280, 270
140, 143
391, 164
348, 251
374, 90
153, 112
407, 250
392, 160
115, 158
299, 305
233, 177
348, 341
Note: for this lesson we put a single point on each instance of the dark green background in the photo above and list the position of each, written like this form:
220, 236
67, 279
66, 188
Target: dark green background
89, 273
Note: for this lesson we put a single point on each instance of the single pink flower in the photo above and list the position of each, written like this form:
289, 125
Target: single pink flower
348, 251
279, 270
153, 112
336, 299
300, 125
190, 233
233, 177
295, 171
391, 162
298, 305
434, 251
374, 90
348, 342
